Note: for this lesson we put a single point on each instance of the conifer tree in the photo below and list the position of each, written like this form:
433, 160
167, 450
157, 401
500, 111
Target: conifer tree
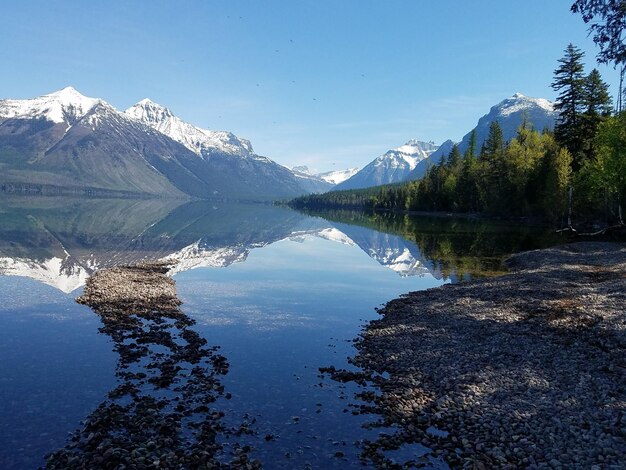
596, 95
493, 159
471, 147
454, 157
598, 105
569, 81
494, 145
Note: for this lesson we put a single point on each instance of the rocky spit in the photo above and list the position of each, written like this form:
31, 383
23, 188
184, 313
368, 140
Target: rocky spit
526, 370
162, 413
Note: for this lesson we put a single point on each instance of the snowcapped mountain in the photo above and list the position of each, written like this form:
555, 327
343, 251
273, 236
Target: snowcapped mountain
330, 177
73, 143
219, 144
64, 142
338, 176
63, 106
391, 167
509, 113
311, 182
229, 153
200, 141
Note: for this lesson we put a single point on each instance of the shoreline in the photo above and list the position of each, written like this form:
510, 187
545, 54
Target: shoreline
522, 370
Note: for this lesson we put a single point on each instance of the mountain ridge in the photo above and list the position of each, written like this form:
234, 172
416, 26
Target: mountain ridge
64, 141
391, 167
509, 113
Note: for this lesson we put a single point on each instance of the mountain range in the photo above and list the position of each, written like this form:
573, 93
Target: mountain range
65, 142
391, 167
411, 160
331, 177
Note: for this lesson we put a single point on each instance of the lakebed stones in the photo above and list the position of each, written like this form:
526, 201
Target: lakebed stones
161, 414
526, 370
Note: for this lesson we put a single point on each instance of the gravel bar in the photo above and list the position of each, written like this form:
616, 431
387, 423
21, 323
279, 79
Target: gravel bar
525, 370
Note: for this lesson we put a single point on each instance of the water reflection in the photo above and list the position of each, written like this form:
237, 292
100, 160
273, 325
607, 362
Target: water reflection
293, 306
445, 247
61, 242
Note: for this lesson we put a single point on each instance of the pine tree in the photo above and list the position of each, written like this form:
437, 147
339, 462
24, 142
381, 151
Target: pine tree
494, 145
454, 157
598, 105
493, 160
569, 81
471, 147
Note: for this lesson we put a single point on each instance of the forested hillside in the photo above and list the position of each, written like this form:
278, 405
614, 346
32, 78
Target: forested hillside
578, 171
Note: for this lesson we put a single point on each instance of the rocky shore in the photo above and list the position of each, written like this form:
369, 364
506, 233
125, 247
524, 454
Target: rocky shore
162, 412
526, 370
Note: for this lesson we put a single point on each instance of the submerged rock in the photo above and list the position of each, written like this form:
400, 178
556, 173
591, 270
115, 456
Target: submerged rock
162, 413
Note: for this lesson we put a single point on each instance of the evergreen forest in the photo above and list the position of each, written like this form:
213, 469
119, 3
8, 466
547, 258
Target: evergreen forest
575, 173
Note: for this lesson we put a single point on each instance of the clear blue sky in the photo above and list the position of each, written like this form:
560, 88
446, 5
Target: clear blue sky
331, 84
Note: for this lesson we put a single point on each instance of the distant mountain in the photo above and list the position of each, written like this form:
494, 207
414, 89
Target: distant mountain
203, 142
434, 158
66, 142
311, 182
331, 177
338, 176
509, 113
391, 167
229, 157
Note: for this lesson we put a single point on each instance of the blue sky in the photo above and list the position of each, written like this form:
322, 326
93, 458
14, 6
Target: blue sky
331, 84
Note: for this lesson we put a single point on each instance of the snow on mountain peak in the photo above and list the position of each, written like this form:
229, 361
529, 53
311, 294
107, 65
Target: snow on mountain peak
411, 153
63, 106
198, 140
338, 176
148, 101
520, 102
150, 113
416, 147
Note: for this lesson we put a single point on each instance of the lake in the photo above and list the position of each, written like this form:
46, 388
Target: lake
280, 293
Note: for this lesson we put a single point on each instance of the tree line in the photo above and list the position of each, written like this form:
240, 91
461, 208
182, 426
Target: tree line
578, 170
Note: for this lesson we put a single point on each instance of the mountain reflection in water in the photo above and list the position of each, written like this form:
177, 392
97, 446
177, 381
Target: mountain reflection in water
61, 242
292, 307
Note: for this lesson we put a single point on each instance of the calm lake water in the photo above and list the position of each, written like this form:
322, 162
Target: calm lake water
281, 293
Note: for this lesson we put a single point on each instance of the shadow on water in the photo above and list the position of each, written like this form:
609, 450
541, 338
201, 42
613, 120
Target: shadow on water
162, 413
